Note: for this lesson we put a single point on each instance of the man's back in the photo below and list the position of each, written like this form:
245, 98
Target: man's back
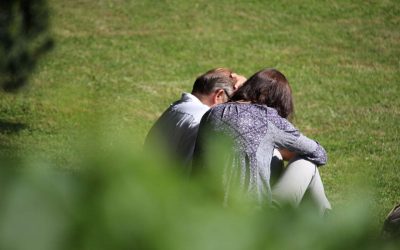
175, 131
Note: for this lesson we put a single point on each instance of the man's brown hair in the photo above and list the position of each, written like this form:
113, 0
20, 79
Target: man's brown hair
212, 80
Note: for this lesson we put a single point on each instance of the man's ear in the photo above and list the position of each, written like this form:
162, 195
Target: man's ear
219, 96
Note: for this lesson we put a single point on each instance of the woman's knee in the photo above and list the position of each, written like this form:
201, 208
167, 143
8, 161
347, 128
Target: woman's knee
301, 163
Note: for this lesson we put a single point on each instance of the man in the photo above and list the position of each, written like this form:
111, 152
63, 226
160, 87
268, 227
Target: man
175, 132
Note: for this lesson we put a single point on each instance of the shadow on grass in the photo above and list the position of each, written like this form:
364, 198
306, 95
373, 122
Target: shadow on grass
7, 127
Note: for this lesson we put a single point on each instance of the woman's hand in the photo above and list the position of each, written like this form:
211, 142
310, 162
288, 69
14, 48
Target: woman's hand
287, 155
239, 80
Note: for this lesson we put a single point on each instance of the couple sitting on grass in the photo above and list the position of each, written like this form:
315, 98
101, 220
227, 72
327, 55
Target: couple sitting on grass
254, 114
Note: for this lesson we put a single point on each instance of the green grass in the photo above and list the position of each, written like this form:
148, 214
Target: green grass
118, 64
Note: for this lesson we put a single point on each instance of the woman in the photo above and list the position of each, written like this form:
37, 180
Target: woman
256, 122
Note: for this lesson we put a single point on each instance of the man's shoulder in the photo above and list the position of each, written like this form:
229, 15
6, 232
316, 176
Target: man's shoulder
183, 111
189, 105
196, 110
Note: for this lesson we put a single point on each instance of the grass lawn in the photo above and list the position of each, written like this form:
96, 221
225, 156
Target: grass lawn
118, 64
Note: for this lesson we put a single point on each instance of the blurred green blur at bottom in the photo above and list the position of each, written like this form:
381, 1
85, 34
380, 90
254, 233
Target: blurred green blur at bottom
121, 198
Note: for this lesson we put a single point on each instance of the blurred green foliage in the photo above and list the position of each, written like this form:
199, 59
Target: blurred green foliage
24, 38
124, 200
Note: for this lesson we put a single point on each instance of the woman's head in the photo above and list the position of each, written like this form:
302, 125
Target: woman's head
269, 87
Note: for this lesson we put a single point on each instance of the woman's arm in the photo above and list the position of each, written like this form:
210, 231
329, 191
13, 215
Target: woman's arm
288, 139
300, 145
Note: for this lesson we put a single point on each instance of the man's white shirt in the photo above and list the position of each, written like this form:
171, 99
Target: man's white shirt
178, 126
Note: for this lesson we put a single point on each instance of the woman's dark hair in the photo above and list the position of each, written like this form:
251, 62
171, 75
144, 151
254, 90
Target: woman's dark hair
269, 87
